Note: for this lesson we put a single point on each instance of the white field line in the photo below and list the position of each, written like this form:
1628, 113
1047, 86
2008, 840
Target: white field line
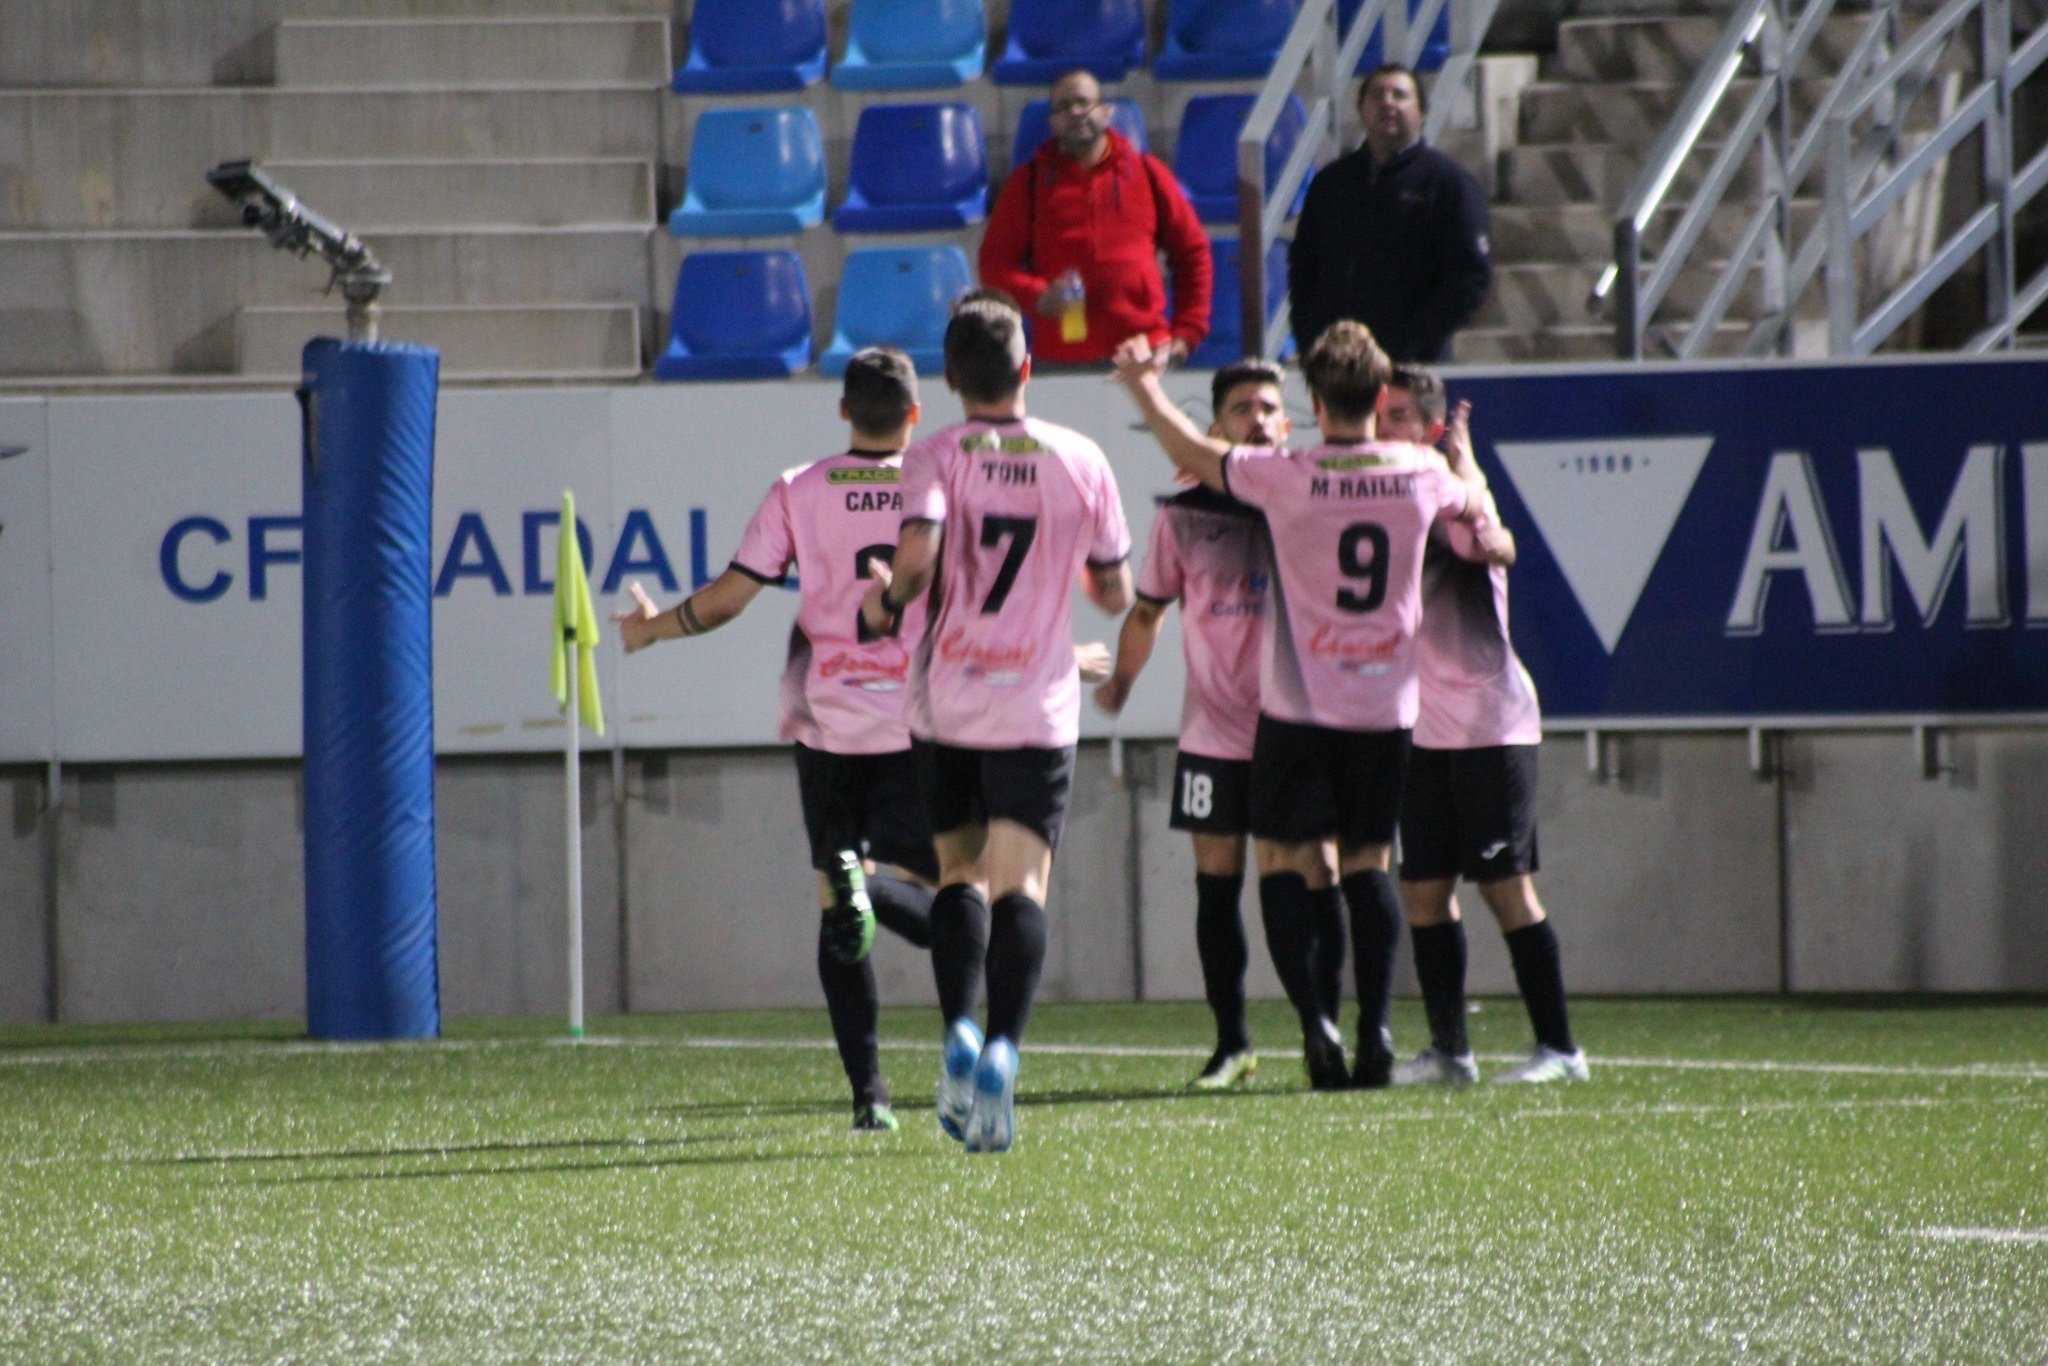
1346, 1117
1352, 1118
1984, 1235
92, 1053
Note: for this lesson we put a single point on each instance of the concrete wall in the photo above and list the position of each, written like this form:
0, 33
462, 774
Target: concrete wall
178, 888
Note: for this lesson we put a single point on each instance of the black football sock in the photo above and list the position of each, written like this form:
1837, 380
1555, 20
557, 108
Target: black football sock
1326, 913
1016, 955
1440, 968
1375, 933
959, 949
1284, 906
1219, 939
1540, 975
852, 1003
903, 907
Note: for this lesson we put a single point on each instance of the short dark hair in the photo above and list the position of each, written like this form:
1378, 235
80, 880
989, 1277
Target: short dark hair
1427, 388
1393, 69
880, 389
1238, 372
1346, 370
985, 352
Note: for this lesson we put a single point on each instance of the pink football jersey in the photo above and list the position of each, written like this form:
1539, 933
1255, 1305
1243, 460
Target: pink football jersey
1210, 554
1475, 692
1348, 522
840, 693
1023, 506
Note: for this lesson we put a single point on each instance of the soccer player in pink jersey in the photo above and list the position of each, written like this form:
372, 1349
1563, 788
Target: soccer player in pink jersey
1002, 513
842, 697
1338, 693
1210, 554
1469, 809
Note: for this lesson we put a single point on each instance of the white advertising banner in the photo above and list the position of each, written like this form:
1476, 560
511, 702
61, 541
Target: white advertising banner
501, 461
175, 562
150, 550
25, 676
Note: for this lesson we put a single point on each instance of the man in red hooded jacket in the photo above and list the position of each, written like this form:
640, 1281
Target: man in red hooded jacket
1090, 203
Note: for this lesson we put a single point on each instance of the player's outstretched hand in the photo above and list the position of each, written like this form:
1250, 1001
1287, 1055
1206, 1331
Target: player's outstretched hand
636, 625
1135, 360
1112, 693
1458, 438
1093, 659
873, 614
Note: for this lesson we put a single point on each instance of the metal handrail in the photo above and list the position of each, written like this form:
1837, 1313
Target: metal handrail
1851, 143
1314, 39
1660, 169
1855, 206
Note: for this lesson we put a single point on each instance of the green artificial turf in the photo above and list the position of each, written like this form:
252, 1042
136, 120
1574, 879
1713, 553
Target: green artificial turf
1783, 1179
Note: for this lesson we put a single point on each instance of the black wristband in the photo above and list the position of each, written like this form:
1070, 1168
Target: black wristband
688, 616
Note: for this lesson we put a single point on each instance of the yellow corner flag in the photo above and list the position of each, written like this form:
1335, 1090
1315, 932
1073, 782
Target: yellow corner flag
574, 614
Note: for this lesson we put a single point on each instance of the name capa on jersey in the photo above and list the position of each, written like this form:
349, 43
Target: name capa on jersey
870, 499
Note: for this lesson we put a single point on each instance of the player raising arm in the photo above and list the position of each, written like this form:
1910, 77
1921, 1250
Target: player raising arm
1210, 554
1470, 805
841, 697
1007, 511
1337, 682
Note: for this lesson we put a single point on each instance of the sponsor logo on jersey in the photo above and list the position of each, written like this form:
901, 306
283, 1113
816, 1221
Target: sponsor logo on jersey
988, 443
875, 670
1352, 652
869, 474
990, 660
1360, 461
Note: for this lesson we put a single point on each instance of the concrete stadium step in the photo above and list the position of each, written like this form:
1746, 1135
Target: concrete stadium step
488, 341
1594, 173
374, 196
446, 53
1635, 112
1671, 48
1582, 342
52, 43
164, 303
1535, 296
116, 159
1585, 232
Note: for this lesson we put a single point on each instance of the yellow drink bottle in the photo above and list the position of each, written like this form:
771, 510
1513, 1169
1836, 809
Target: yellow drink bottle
1074, 317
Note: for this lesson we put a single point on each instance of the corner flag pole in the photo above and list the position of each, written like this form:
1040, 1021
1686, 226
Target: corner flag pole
572, 677
572, 763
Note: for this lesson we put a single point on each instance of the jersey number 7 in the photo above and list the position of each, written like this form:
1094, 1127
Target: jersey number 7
1021, 531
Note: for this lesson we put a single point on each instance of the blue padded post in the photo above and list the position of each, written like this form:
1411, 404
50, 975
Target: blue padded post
371, 965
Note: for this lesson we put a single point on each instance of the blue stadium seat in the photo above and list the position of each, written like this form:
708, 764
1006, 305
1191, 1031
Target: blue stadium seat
1205, 156
1225, 342
912, 44
753, 172
915, 166
738, 46
1050, 37
738, 315
1220, 40
896, 296
1434, 52
1034, 126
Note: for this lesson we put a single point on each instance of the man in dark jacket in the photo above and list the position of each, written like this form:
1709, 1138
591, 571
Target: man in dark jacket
1393, 235
1076, 234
